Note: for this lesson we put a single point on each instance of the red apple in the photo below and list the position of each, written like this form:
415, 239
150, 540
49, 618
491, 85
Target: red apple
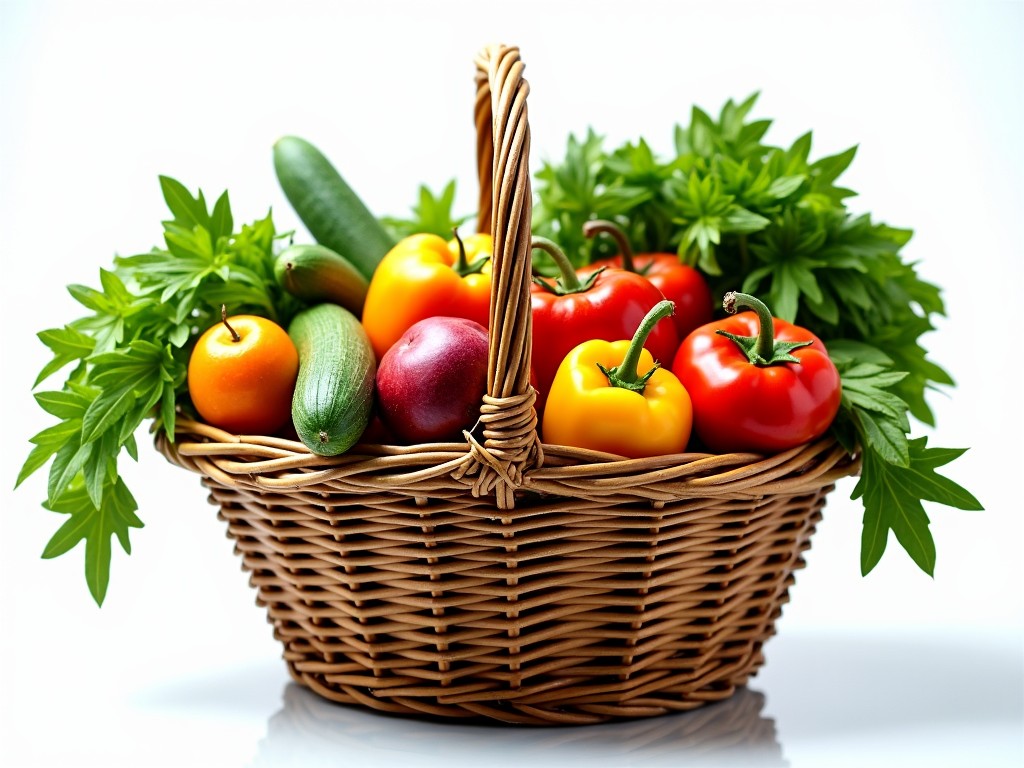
431, 381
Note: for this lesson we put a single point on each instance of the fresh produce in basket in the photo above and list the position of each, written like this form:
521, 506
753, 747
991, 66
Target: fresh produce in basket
430, 382
316, 273
241, 375
741, 213
424, 276
757, 383
334, 214
680, 283
611, 396
333, 399
608, 305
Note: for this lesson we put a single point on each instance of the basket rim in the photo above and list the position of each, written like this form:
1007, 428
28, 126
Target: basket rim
272, 463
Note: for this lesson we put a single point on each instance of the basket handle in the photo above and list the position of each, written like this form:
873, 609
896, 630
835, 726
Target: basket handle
511, 445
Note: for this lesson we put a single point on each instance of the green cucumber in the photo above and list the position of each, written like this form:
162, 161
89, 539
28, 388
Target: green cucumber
333, 398
315, 273
331, 211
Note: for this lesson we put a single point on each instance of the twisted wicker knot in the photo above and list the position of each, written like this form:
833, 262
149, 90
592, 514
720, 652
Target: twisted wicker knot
510, 448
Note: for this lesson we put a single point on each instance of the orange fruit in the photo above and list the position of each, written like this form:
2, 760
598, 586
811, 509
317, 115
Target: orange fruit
241, 375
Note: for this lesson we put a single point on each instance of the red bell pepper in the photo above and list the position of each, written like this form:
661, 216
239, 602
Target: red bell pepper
757, 383
681, 284
608, 304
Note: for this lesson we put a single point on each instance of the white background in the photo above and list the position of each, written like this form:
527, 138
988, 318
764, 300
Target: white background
179, 667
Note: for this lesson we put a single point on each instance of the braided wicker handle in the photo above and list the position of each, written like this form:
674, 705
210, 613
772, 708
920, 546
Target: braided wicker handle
511, 444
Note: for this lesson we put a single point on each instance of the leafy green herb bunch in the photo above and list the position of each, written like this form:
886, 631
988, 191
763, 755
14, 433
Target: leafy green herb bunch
127, 360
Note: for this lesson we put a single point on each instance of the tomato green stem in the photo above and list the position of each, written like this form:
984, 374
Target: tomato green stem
568, 281
733, 302
224, 319
762, 349
463, 266
603, 226
625, 374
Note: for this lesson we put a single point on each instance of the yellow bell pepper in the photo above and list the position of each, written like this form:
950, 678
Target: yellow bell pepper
424, 276
600, 401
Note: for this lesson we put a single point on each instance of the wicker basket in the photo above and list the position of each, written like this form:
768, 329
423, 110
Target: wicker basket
505, 579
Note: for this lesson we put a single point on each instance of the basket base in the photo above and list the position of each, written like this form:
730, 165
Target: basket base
654, 705
731, 732
374, 610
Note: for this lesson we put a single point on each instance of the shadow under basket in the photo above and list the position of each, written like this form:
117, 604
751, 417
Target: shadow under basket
502, 578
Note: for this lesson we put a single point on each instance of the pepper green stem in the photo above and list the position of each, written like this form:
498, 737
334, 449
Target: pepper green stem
625, 374
463, 266
603, 226
762, 349
568, 281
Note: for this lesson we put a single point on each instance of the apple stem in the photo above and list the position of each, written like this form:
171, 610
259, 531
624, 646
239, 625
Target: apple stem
224, 319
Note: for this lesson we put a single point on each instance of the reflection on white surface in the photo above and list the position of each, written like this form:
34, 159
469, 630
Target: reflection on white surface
311, 731
936, 697
868, 682
854, 698
825, 699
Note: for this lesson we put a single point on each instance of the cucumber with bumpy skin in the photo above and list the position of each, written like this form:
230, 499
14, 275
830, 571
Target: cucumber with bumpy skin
331, 211
333, 399
315, 273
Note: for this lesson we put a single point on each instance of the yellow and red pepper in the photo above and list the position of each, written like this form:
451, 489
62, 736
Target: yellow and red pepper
608, 304
599, 400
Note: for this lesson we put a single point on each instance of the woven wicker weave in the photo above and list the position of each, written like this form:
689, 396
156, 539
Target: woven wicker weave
505, 579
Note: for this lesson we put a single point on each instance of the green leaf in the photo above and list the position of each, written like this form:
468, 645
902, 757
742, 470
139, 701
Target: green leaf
221, 221
95, 525
67, 463
826, 170
62, 404
851, 351
37, 459
879, 415
188, 211
167, 410
874, 538
95, 468
922, 480
892, 499
109, 409
131, 447
90, 298
784, 186
885, 437
68, 345
740, 220
58, 434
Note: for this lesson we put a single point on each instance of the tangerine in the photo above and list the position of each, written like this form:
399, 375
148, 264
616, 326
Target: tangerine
241, 375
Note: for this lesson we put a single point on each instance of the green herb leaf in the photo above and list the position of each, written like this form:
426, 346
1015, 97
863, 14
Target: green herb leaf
68, 345
432, 215
892, 501
95, 526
